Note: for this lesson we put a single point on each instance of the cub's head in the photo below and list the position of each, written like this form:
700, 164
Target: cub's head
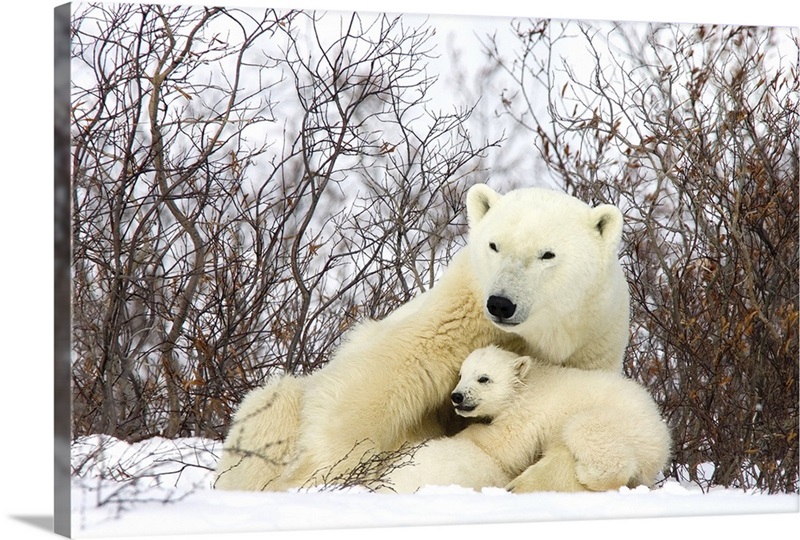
539, 255
489, 380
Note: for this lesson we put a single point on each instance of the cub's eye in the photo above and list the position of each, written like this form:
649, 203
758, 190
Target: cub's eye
548, 255
483, 380
493, 246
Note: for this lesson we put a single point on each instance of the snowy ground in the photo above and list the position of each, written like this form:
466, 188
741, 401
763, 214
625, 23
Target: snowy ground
164, 487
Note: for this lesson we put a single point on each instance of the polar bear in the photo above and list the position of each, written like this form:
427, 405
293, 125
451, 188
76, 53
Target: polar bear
539, 276
554, 428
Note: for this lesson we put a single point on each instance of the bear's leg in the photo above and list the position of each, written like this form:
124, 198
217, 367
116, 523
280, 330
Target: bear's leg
262, 437
444, 462
603, 450
310, 469
555, 471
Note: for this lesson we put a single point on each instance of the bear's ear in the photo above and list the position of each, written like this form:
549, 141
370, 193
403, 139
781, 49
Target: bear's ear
522, 365
607, 220
480, 198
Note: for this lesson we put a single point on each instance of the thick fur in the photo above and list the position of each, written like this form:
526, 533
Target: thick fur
389, 382
263, 436
561, 429
447, 461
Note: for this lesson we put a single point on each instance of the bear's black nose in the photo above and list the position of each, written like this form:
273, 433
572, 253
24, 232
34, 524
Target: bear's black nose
500, 307
457, 398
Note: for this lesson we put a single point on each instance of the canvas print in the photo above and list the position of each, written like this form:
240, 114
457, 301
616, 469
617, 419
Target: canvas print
340, 269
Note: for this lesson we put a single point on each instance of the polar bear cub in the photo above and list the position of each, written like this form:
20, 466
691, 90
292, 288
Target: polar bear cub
553, 428
549, 428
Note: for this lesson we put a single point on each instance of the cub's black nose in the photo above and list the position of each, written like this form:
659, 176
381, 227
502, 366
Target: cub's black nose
501, 307
457, 398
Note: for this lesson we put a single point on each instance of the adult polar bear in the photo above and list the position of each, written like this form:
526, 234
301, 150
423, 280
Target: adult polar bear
539, 276
599, 430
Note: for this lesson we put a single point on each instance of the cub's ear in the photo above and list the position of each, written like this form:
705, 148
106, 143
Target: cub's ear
522, 365
480, 198
607, 220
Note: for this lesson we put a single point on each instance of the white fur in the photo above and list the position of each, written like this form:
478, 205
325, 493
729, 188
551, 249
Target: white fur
573, 307
389, 382
448, 462
561, 429
262, 437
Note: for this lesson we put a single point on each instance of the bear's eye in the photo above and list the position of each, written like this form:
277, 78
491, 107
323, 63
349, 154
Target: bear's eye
493, 246
548, 255
483, 379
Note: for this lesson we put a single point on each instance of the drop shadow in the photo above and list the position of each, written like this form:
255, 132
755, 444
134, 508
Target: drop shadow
43, 522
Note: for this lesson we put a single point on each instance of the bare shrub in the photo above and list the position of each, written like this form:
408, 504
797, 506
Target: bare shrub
246, 185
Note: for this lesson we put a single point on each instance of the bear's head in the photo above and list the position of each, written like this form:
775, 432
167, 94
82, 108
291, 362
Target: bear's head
540, 257
488, 382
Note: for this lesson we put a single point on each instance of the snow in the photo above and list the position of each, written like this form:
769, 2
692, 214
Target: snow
163, 487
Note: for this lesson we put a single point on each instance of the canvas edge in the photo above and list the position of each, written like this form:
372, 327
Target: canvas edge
62, 280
